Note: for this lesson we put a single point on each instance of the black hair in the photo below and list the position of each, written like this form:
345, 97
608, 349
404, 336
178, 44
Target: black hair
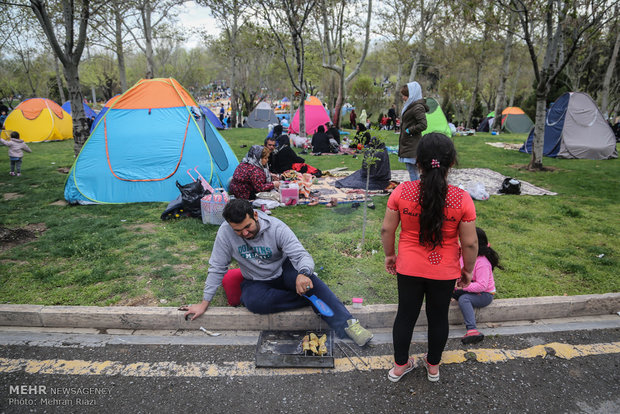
361, 126
435, 155
15, 134
320, 129
237, 210
270, 139
484, 249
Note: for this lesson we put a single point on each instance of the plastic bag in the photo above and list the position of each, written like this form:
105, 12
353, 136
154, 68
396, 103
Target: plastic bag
190, 195
510, 186
477, 191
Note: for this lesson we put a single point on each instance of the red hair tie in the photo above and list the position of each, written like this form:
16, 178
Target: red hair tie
435, 163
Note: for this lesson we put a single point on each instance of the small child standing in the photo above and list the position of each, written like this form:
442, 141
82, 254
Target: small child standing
16, 152
480, 291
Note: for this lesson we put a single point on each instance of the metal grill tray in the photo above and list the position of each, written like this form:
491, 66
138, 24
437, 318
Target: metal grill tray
282, 349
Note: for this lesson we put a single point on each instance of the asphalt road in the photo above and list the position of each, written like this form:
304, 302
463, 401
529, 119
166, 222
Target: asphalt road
559, 372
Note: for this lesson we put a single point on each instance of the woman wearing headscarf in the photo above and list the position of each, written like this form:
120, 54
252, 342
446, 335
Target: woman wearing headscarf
252, 176
284, 156
320, 141
353, 117
363, 117
378, 173
413, 122
362, 136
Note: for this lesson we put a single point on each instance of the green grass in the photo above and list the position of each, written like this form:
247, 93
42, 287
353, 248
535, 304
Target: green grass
124, 254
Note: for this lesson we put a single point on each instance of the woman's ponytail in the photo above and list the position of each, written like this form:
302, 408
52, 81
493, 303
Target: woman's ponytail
435, 155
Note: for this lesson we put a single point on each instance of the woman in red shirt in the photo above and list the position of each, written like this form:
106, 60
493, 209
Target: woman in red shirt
433, 217
252, 176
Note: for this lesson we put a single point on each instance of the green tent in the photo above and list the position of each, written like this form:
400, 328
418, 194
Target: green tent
435, 119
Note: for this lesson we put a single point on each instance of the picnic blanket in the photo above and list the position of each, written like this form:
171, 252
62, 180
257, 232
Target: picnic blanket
325, 189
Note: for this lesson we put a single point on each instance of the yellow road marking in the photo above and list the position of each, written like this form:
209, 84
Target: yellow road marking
247, 368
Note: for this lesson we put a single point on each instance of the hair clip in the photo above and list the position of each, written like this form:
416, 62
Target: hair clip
435, 163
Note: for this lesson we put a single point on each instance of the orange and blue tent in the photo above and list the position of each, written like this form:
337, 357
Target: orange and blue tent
516, 121
39, 119
144, 143
315, 115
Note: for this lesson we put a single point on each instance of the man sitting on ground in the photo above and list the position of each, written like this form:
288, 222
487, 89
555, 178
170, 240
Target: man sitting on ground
276, 269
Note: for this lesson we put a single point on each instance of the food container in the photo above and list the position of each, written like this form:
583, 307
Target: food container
357, 303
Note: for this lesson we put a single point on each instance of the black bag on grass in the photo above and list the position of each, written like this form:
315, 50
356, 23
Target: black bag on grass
190, 195
510, 186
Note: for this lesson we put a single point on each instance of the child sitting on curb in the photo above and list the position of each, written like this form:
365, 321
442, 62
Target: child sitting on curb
16, 152
480, 291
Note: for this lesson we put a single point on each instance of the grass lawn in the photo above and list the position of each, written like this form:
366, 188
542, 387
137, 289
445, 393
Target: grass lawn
125, 255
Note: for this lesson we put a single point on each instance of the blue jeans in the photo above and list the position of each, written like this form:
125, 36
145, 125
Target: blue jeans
279, 295
469, 301
413, 171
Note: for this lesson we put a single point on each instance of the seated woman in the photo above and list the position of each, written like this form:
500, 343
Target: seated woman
379, 172
320, 141
251, 176
362, 136
284, 156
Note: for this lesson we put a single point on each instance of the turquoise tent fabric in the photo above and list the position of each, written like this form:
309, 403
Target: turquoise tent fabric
137, 153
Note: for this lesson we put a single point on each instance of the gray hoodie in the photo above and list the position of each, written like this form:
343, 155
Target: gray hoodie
16, 147
260, 258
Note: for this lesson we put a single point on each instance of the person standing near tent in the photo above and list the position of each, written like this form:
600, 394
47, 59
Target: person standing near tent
413, 122
16, 152
222, 113
434, 217
252, 176
277, 270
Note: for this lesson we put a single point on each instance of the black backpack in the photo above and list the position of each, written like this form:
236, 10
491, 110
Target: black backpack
510, 186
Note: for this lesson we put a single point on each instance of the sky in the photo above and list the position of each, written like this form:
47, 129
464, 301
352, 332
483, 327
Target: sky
195, 16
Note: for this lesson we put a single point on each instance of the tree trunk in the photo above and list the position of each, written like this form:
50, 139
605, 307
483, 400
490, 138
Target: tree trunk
148, 41
339, 102
608, 75
80, 124
61, 89
120, 54
539, 133
414, 68
302, 115
474, 96
500, 100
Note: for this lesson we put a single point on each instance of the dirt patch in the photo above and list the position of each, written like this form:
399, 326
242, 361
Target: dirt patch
12, 196
525, 168
148, 228
59, 203
63, 170
144, 300
10, 238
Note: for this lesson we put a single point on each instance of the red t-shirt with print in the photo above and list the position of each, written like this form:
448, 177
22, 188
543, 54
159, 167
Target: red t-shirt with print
441, 263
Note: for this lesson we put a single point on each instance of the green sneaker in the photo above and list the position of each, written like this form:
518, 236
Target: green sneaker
360, 335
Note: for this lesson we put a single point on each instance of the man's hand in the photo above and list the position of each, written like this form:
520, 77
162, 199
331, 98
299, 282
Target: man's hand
303, 284
195, 310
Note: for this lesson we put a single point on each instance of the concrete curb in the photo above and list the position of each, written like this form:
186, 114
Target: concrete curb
227, 318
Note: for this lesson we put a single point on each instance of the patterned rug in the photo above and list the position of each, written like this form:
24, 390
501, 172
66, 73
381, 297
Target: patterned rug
325, 190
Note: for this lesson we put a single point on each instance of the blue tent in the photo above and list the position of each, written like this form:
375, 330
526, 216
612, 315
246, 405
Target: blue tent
212, 117
575, 128
147, 141
87, 109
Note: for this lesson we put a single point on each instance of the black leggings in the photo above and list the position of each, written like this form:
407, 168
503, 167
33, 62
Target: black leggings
411, 293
